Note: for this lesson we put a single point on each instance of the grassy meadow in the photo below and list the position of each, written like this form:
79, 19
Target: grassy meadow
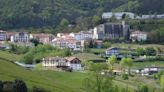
134, 46
50, 80
62, 81
9, 56
87, 56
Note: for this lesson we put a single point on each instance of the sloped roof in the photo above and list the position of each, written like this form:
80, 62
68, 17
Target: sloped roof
71, 58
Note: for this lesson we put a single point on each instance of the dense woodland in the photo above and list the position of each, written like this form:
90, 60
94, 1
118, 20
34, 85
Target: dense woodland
56, 14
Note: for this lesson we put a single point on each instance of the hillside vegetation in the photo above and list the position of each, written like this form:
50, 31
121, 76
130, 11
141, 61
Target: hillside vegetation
16, 14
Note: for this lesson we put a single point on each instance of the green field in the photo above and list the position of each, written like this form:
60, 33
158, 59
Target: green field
9, 56
98, 51
50, 80
124, 45
87, 56
148, 64
57, 81
53, 81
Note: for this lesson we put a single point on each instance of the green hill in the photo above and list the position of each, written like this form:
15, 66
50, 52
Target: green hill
87, 56
9, 56
49, 13
50, 80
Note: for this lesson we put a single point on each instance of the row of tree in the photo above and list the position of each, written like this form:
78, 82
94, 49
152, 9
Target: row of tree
36, 54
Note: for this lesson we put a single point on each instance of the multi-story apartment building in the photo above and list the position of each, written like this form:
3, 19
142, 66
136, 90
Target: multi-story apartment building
21, 37
111, 30
3, 35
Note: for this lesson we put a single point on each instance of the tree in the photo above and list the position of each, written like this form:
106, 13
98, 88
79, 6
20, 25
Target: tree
123, 16
106, 44
96, 82
34, 41
64, 22
19, 86
129, 64
150, 51
126, 63
35, 54
123, 64
111, 61
1, 86
96, 20
37, 89
143, 88
162, 83
141, 51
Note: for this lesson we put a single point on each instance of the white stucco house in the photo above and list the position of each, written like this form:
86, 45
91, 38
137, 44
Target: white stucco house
118, 15
21, 37
138, 36
82, 35
158, 16
59, 63
150, 70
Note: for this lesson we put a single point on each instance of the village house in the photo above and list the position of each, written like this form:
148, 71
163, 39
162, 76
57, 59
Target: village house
159, 16
42, 37
3, 36
112, 51
21, 37
111, 31
9, 34
82, 35
65, 42
130, 15
118, 15
58, 63
150, 70
138, 36
61, 34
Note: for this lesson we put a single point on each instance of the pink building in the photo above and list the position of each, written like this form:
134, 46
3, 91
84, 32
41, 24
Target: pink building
42, 37
65, 41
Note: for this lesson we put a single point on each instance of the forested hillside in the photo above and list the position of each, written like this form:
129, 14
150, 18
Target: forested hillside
43, 13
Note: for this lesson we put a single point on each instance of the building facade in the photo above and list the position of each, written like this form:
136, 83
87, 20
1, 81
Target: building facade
21, 37
42, 37
111, 31
58, 63
65, 42
3, 36
118, 15
82, 35
138, 36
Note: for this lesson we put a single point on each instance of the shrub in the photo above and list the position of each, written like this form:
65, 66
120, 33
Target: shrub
143, 88
1, 86
19, 86
150, 51
37, 89
125, 76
